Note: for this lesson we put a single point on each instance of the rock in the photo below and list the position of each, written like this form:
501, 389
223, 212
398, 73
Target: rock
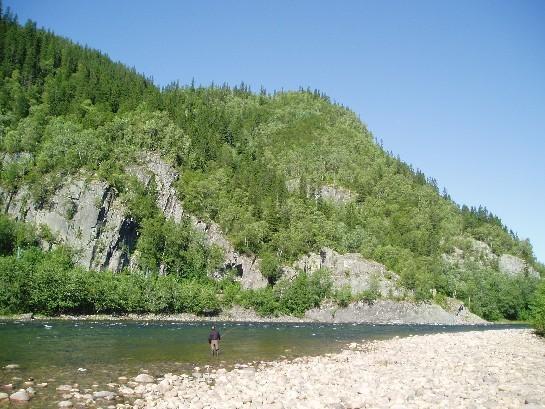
3, 396
31, 391
20, 396
12, 366
65, 404
88, 215
42, 385
351, 270
514, 266
106, 395
64, 388
7, 386
144, 378
164, 386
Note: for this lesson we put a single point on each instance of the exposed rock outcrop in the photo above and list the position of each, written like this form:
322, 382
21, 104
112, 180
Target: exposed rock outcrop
87, 216
332, 193
351, 269
335, 194
481, 253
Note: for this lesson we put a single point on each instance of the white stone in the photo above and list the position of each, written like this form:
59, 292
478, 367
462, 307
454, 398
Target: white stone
20, 396
144, 378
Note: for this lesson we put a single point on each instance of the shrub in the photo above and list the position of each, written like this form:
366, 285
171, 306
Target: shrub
264, 301
197, 298
271, 267
304, 292
343, 296
537, 309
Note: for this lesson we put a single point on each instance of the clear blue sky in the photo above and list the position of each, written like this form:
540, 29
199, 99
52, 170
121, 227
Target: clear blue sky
456, 88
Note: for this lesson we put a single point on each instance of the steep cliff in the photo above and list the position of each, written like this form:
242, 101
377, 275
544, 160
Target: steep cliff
85, 214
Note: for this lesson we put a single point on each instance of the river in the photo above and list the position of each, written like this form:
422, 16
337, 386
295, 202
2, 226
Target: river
97, 353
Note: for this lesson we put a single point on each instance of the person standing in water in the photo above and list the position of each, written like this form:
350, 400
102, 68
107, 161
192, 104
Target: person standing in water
214, 340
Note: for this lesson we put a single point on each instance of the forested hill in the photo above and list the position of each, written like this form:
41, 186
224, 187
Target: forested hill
282, 174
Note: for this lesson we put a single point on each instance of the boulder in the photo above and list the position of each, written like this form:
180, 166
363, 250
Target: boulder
144, 378
20, 396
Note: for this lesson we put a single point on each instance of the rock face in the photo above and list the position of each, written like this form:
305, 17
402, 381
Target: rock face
353, 270
331, 193
153, 168
335, 194
87, 216
513, 266
481, 253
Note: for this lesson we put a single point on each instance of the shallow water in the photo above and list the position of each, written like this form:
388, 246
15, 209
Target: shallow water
87, 353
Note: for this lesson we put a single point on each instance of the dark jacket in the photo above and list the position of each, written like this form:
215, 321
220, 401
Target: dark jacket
214, 335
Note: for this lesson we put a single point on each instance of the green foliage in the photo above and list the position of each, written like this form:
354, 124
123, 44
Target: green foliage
48, 283
306, 291
264, 301
175, 248
489, 293
14, 235
343, 296
537, 315
271, 267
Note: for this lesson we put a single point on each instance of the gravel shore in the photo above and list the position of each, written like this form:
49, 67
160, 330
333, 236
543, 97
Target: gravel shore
478, 369
377, 312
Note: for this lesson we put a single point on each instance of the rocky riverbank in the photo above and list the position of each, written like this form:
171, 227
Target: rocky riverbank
377, 312
478, 369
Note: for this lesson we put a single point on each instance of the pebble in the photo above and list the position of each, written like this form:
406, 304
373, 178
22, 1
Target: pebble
3, 396
464, 369
12, 366
64, 388
65, 404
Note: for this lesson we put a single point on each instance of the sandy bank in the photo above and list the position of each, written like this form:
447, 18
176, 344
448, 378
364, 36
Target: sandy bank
478, 369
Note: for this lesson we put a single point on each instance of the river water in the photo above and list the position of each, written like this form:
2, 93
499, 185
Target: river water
97, 353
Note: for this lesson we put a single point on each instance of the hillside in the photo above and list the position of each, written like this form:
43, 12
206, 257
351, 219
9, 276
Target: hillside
121, 197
